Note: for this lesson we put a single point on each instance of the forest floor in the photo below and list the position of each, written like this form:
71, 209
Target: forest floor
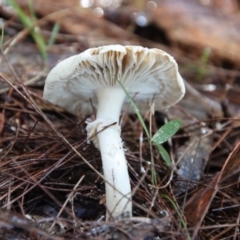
47, 189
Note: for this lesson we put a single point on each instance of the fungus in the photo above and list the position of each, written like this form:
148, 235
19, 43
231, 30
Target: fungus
148, 75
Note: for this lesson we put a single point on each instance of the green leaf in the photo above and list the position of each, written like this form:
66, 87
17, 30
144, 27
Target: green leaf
166, 131
164, 155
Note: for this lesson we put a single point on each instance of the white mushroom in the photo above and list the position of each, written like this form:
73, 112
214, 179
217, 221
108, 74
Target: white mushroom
149, 75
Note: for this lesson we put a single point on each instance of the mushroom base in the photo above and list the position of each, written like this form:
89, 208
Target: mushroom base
117, 182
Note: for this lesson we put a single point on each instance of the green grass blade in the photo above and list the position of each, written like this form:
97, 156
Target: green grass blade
135, 110
133, 105
31, 9
27, 22
166, 131
183, 222
54, 33
2, 35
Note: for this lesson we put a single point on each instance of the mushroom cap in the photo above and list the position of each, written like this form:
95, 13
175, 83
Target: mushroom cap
149, 75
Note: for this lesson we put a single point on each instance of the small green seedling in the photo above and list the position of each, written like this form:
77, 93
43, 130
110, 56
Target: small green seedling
162, 135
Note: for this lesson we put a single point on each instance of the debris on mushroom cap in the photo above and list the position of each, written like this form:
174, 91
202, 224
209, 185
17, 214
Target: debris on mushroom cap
149, 75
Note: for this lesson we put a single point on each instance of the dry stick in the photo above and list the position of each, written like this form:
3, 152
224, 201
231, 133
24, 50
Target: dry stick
218, 226
28, 135
65, 203
222, 138
216, 237
12, 144
9, 194
16, 109
236, 232
139, 183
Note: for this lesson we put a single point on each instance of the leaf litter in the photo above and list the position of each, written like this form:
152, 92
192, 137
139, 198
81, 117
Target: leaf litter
44, 152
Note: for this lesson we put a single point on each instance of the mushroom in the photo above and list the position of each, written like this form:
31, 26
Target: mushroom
148, 75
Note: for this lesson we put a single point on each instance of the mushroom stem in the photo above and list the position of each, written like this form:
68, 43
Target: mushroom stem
110, 102
117, 181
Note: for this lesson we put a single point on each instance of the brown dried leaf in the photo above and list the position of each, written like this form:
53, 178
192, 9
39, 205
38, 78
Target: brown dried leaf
190, 24
197, 206
233, 163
